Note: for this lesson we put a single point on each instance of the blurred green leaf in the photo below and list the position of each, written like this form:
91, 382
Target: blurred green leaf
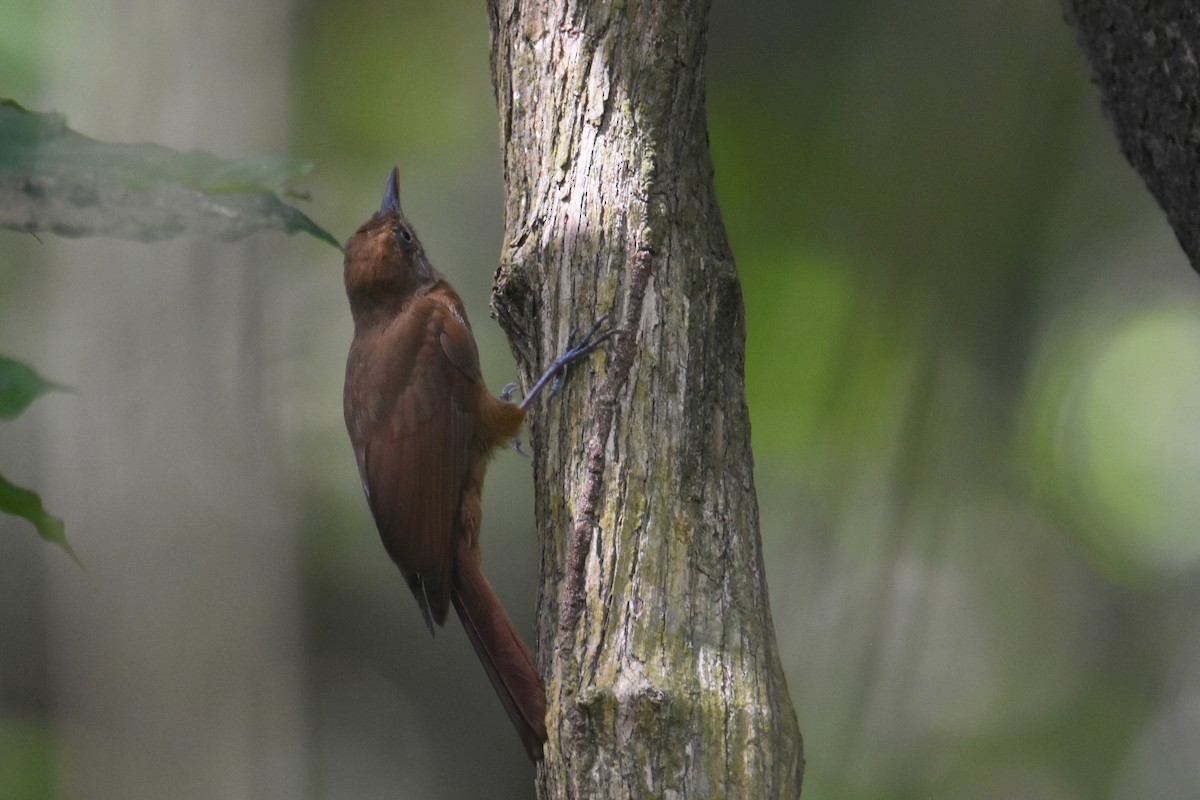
1111, 438
26, 760
20, 385
25, 503
55, 179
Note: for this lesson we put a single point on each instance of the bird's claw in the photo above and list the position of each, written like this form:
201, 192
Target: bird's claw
575, 350
516, 445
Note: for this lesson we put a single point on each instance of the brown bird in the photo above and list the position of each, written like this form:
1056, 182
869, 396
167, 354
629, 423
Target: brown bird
424, 425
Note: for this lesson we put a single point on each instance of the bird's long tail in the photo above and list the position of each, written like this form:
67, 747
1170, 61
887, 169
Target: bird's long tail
501, 651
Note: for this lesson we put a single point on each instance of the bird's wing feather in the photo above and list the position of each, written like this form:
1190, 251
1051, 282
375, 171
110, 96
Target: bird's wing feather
416, 451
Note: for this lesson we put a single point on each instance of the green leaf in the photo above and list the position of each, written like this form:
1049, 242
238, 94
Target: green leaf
55, 179
20, 385
25, 503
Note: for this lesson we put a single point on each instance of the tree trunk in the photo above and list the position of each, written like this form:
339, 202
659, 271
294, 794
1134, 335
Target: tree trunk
1145, 59
655, 636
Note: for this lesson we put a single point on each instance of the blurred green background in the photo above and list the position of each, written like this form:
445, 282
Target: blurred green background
973, 372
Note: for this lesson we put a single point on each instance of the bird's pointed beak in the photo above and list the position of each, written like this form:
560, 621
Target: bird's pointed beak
391, 193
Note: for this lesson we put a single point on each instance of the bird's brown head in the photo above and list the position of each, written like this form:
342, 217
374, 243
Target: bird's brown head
385, 263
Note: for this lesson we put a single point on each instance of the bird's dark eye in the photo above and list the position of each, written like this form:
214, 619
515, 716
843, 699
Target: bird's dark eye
403, 234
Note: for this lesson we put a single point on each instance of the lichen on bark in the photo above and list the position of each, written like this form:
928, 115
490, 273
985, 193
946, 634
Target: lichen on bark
655, 635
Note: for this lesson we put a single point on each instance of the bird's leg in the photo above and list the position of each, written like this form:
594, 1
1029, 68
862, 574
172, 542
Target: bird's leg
574, 352
506, 395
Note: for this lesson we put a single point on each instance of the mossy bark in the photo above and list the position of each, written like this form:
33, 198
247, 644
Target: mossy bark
655, 635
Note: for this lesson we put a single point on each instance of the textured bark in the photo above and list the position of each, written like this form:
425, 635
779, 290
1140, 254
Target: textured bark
655, 636
1145, 59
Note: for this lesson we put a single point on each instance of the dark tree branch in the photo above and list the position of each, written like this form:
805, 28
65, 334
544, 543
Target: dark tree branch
1145, 59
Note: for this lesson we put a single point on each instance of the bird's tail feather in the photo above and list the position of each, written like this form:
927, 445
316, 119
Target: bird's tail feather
500, 649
